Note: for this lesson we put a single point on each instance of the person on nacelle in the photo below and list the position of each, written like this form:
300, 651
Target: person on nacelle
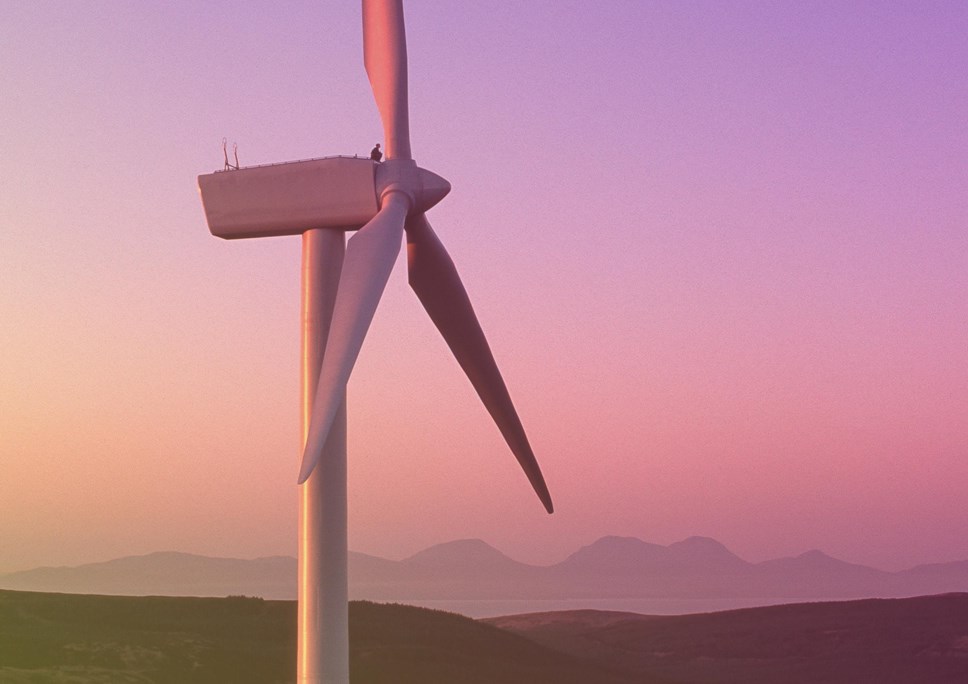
375, 154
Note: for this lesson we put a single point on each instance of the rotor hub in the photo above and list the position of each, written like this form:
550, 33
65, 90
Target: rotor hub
422, 188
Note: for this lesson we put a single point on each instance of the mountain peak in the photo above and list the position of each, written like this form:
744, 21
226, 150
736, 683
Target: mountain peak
613, 552
697, 542
818, 559
705, 553
457, 552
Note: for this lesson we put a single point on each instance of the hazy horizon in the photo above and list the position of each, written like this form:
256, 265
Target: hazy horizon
447, 542
719, 251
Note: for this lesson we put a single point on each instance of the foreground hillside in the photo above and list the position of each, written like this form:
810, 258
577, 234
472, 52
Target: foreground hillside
876, 641
60, 638
113, 639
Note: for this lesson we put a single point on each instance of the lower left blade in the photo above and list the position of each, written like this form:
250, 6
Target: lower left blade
370, 255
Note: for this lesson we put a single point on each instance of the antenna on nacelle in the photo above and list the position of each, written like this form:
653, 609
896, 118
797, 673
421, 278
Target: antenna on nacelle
225, 154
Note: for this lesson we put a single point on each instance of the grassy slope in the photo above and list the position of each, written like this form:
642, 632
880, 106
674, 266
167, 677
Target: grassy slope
61, 638
143, 639
73, 638
874, 641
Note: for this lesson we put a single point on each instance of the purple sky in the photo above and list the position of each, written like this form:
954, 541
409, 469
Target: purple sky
719, 249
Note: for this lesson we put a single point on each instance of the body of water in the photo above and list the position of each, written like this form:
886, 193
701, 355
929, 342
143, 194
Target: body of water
647, 606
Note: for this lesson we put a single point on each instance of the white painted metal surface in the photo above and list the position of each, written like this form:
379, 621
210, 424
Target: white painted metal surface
323, 623
404, 187
385, 60
369, 260
341, 288
286, 199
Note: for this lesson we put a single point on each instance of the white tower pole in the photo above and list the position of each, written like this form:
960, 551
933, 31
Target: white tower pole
323, 622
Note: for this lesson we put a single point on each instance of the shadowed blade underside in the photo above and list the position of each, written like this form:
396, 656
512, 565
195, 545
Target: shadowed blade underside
434, 278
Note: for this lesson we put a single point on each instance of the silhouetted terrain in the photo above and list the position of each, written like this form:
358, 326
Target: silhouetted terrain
610, 568
238, 640
873, 641
166, 573
70, 638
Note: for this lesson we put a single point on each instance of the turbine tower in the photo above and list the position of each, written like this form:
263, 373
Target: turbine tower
342, 283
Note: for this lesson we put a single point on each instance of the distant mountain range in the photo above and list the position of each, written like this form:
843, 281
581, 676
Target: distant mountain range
470, 569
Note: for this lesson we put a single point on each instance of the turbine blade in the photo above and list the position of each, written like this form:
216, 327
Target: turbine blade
370, 255
438, 286
385, 59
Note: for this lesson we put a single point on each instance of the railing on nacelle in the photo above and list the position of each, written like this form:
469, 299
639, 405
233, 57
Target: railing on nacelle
294, 161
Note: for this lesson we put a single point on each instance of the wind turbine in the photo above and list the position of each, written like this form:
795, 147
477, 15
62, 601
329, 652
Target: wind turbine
342, 283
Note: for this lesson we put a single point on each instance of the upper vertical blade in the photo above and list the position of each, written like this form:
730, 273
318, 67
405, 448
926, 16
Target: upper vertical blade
438, 286
385, 58
370, 255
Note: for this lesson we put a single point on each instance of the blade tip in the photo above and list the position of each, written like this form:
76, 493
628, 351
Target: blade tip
305, 471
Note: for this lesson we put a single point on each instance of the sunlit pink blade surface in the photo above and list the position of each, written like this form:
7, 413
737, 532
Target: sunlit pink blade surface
385, 58
438, 286
370, 255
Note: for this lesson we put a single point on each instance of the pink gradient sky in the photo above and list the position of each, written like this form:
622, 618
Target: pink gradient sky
719, 249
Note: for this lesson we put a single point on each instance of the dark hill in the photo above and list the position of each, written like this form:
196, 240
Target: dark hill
871, 641
89, 638
398, 644
71, 638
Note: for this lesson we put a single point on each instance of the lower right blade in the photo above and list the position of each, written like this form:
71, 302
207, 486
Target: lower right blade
438, 286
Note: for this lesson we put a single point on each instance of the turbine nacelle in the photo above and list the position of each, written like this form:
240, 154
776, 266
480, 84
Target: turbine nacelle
293, 197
